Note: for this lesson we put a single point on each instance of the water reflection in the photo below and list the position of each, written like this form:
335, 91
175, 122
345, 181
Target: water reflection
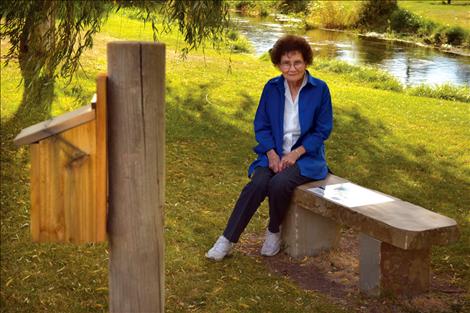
410, 64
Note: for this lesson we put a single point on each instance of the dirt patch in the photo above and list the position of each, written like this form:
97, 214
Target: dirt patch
335, 274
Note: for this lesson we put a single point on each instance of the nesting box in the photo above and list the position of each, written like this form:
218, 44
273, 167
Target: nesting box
69, 174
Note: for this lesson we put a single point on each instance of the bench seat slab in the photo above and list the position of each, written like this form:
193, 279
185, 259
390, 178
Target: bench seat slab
305, 233
384, 268
399, 223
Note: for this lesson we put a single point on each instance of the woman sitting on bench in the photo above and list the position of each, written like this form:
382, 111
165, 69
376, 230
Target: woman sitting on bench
293, 119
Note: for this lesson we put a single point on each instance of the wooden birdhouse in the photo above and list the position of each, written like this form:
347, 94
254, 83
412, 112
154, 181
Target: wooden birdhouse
69, 173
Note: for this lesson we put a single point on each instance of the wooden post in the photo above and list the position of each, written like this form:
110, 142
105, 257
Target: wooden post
136, 138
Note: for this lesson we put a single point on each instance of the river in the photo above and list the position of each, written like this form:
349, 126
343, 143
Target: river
410, 64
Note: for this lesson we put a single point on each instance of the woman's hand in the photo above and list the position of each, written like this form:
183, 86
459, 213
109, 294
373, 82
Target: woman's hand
274, 161
290, 158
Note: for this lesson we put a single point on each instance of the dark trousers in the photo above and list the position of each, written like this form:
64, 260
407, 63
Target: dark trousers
264, 182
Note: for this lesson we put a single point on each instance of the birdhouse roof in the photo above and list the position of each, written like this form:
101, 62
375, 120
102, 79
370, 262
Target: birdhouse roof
56, 125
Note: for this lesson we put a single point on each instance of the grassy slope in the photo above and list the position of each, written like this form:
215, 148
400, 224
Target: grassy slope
410, 147
456, 14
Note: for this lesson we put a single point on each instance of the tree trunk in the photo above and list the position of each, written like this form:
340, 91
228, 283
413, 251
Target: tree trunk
35, 43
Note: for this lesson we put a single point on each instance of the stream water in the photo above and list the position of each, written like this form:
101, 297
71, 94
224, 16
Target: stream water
409, 63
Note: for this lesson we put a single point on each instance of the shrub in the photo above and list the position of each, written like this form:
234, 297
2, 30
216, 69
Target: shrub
454, 35
426, 28
437, 37
288, 6
232, 35
254, 8
403, 21
376, 13
238, 43
243, 5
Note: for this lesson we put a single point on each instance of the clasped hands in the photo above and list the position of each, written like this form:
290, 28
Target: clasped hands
276, 164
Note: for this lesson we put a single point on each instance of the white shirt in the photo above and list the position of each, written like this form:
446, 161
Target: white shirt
291, 118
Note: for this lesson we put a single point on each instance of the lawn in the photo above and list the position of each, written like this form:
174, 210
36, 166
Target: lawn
455, 14
410, 147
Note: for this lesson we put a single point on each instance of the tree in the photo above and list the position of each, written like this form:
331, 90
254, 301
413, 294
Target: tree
48, 37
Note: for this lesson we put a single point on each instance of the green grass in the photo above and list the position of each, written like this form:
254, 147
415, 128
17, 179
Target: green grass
456, 14
445, 91
410, 147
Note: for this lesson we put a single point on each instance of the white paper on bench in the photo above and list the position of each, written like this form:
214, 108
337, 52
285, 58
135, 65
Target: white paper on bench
350, 195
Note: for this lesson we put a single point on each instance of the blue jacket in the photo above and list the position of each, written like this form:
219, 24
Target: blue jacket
316, 123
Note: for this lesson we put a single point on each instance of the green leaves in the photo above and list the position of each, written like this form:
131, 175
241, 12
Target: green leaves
49, 37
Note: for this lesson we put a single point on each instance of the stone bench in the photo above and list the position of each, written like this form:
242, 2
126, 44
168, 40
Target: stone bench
394, 242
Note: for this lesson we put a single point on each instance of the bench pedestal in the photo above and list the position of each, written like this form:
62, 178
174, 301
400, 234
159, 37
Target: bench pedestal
384, 268
305, 233
395, 253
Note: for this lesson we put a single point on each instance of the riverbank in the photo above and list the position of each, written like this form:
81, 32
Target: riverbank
413, 40
428, 29
391, 37
376, 78
385, 140
431, 35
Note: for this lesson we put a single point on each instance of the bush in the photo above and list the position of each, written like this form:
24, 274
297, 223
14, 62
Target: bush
232, 35
288, 6
403, 21
375, 13
254, 8
243, 5
426, 28
454, 35
239, 44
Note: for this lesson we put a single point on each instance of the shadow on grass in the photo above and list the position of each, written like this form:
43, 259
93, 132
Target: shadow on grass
366, 152
207, 157
361, 150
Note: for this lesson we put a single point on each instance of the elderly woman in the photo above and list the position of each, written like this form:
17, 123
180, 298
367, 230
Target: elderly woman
293, 119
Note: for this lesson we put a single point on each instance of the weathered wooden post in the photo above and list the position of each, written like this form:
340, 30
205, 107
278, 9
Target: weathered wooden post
136, 138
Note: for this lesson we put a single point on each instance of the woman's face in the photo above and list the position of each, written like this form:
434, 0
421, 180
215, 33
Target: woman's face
292, 66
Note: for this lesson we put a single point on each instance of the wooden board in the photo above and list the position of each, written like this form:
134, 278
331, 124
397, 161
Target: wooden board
63, 187
37, 132
101, 158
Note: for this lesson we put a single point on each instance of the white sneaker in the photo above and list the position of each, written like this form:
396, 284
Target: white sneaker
272, 244
220, 249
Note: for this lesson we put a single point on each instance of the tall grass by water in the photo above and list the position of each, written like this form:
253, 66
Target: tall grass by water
377, 78
430, 22
407, 146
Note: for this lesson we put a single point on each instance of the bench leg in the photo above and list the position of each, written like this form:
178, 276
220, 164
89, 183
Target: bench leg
305, 233
384, 268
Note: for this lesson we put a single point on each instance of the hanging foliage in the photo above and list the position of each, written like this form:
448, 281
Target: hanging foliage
50, 33
47, 37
